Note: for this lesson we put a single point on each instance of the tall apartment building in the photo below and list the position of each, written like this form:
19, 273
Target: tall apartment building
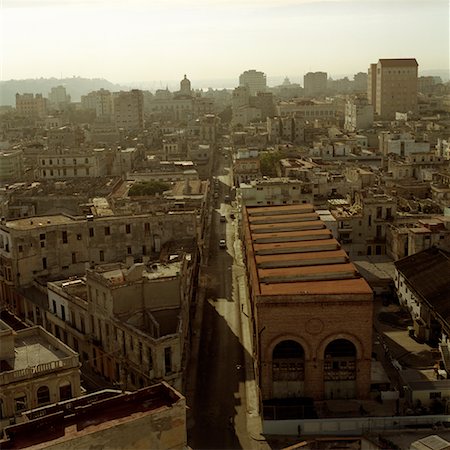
358, 115
58, 97
129, 110
31, 105
254, 80
315, 83
392, 86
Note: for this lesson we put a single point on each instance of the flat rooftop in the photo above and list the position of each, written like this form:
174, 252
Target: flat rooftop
33, 350
37, 222
56, 424
292, 253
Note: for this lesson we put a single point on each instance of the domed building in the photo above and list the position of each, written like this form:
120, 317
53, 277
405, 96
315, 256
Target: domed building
185, 87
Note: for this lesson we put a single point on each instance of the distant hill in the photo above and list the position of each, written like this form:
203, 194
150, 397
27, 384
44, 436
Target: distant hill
75, 87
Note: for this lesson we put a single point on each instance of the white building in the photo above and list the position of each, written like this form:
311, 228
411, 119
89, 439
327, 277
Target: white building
358, 115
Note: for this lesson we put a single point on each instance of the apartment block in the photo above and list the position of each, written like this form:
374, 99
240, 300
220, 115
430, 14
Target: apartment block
129, 110
11, 165
64, 164
315, 83
255, 81
275, 191
393, 87
31, 105
62, 245
358, 115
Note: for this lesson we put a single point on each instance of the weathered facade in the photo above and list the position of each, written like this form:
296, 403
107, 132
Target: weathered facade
313, 311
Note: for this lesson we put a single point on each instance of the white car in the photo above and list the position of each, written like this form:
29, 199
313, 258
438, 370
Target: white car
222, 243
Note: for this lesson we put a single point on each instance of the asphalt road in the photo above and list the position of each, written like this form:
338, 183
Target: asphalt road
220, 420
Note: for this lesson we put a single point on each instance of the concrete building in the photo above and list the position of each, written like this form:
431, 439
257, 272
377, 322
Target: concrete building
315, 83
36, 369
254, 80
393, 87
404, 239
423, 287
358, 115
31, 105
129, 110
246, 166
58, 97
64, 164
106, 419
401, 144
62, 245
312, 310
275, 191
307, 109
11, 165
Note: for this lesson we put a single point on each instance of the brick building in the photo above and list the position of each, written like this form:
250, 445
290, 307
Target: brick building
312, 310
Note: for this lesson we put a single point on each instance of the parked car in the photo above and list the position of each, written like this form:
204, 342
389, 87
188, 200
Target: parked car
232, 216
223, 218
222, 243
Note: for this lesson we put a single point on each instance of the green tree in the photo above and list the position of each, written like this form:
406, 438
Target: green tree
148, 188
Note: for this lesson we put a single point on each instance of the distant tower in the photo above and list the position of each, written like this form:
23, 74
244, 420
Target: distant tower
185, 86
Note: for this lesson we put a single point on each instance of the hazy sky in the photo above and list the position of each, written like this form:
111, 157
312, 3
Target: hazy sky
144, 40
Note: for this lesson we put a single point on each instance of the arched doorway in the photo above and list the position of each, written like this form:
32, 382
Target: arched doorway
288, 369
339, 370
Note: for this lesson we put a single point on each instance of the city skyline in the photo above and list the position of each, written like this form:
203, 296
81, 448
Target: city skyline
216, 39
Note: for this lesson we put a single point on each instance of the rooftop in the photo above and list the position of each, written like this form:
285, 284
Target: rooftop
56, 424
293, 253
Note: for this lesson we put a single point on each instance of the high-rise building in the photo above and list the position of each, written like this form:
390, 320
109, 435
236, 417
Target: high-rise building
31, 105
372, 84
315, 83
58, 97
254, 80
129, 110
395, 86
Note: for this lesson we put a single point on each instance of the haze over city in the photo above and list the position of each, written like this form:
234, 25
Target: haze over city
215, 39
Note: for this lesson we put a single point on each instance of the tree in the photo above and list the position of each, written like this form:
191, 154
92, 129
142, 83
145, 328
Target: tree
148, 188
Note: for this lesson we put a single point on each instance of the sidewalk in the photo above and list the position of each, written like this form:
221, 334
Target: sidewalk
254, 422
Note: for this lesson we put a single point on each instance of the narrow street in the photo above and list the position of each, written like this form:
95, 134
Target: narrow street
220, 407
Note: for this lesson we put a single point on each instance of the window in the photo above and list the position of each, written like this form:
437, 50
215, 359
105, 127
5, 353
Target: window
65, 391
44, 263
20, 402
107, 231
20, 248
42, 244
63, 312
43, 395
129, 250
144, 249
42, 236
74, 258
168, 360
54, 306
91, 232
146, 227
435, 395
102, 255
64, 237
128, 228
150, 358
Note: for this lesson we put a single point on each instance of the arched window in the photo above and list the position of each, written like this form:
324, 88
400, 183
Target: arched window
340, 369
65, 391
288, 361
43, 395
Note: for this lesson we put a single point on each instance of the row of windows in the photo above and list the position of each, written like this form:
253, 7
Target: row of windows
74, 161
42, 396
51, 172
